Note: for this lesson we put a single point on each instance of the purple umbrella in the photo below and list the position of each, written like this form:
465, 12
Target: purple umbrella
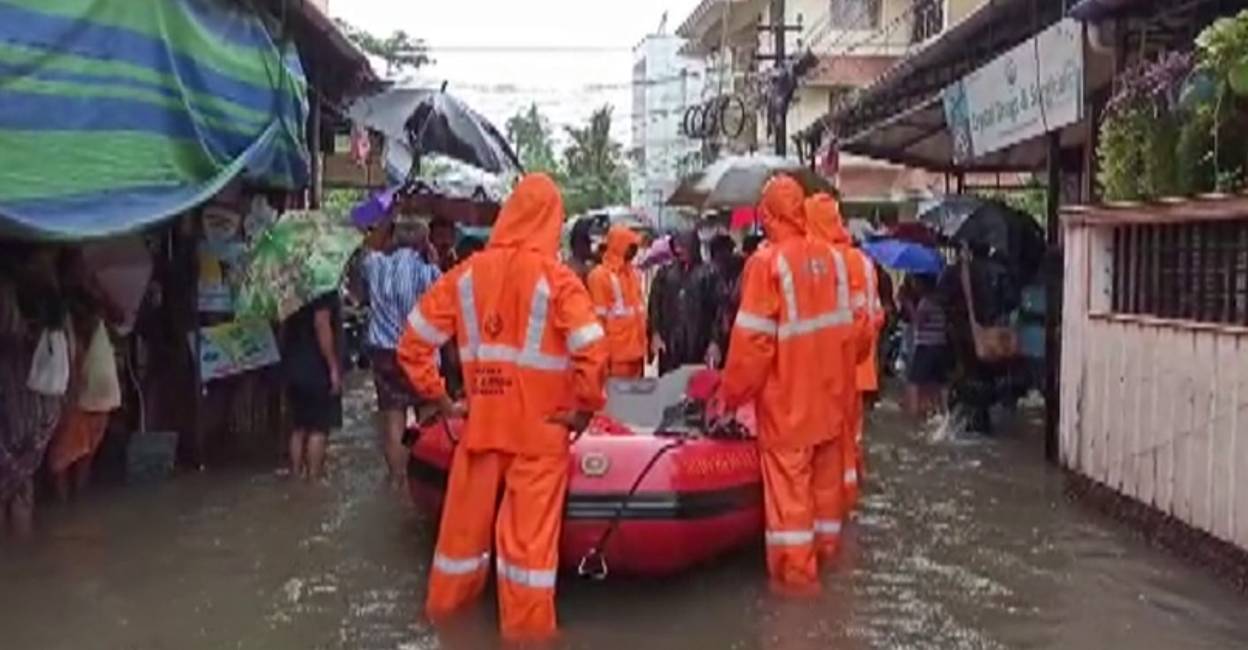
374, 209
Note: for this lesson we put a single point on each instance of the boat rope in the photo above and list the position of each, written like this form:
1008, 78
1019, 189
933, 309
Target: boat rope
594, 563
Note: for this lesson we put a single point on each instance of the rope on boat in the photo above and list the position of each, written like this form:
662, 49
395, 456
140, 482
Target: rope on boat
597, 554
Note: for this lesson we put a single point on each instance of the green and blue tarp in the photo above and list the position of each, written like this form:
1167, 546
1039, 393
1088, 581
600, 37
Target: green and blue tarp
117, 114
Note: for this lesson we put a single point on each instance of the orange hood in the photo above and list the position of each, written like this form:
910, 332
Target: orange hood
532, 217
619, 239
823, 219
781, 209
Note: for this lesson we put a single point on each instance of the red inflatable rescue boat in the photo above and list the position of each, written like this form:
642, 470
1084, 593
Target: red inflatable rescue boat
652, 491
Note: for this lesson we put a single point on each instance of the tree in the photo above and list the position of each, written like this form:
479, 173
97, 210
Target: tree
593, 165
530, 134
399, 50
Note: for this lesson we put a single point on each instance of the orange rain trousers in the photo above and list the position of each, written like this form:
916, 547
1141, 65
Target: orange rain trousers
626, 369
525, 535
805, 511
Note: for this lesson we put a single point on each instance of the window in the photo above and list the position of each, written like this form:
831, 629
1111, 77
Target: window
1191, 271
929, 19
836, 95
855, 15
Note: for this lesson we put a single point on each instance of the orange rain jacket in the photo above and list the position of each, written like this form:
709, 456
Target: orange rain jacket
788, 343
823, 218
529, 341
615, 287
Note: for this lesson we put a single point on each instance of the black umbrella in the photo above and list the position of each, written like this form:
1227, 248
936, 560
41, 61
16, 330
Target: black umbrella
947, 214
1007, 234
440, 123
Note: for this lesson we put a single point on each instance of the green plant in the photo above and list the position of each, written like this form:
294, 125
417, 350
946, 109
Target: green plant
1194, 152
1223, 48
1161, 171
1140, 130
1121, 154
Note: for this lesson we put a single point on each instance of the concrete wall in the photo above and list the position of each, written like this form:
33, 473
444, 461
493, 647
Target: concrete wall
1154, 409
665, 84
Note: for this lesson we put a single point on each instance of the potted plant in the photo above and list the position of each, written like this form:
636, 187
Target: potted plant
1142, 129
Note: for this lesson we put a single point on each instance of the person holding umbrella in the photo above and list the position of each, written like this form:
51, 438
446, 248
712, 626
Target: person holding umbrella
293, 273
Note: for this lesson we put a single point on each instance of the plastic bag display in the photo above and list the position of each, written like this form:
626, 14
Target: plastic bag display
49, 367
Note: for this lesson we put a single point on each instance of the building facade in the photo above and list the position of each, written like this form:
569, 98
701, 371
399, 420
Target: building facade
854, 43
665, 84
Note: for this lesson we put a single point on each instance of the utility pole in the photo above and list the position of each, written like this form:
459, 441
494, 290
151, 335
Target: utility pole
779, 37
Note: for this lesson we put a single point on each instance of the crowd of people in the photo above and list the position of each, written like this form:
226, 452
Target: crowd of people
59, 378
792, 323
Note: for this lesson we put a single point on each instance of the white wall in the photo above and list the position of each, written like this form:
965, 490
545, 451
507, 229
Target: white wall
661, 95
1155, 409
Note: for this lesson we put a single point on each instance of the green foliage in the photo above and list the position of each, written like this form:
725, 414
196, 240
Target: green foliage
1121, 154
530, 134
1161, 171
1194, 153
591, 171
1032, 199
399, 50
593, 165
1223, 47
340, 201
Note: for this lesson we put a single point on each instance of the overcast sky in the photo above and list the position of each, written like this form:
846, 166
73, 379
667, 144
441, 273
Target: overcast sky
501, 55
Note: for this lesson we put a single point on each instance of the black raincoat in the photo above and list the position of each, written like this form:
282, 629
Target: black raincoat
683, 306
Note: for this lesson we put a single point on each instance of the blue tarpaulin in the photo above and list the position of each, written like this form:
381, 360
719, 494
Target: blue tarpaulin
117, 114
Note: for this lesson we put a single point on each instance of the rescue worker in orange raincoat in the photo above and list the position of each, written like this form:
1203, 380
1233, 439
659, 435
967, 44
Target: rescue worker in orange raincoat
615, 288
534, 357
787, 356
823, 216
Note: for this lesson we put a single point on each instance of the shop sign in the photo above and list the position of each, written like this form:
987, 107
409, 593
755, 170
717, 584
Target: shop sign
1033, 89
233, 348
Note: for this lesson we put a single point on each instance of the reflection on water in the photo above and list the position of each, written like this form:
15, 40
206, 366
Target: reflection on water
959, 545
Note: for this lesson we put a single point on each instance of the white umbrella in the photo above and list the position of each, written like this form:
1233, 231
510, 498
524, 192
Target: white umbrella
736, 181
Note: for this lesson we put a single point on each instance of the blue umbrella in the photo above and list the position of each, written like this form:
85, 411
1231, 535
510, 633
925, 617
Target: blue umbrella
905, 256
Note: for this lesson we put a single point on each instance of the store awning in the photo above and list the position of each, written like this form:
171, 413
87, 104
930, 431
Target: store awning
900, 117
119, 118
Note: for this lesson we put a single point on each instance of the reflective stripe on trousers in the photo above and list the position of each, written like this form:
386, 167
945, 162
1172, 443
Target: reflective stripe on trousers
531, 355
535, 578
460, 566
828, 526
790, 537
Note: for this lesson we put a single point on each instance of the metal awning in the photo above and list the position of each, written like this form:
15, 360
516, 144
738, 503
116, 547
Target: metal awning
900, 117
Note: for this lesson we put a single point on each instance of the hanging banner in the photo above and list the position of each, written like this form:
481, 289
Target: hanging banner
234, 348
1033, 89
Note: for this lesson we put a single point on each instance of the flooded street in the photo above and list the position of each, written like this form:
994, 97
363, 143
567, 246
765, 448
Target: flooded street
958, 545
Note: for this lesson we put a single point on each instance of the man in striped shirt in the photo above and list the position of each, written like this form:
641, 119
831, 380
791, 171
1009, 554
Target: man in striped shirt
395, 278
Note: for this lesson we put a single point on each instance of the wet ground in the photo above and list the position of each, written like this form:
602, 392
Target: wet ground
959, 545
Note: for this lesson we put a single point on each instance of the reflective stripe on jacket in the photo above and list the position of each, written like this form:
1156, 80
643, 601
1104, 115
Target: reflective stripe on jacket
615, 288
528, 339
788, 344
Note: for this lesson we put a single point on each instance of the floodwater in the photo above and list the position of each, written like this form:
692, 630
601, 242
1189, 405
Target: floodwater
960, 544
